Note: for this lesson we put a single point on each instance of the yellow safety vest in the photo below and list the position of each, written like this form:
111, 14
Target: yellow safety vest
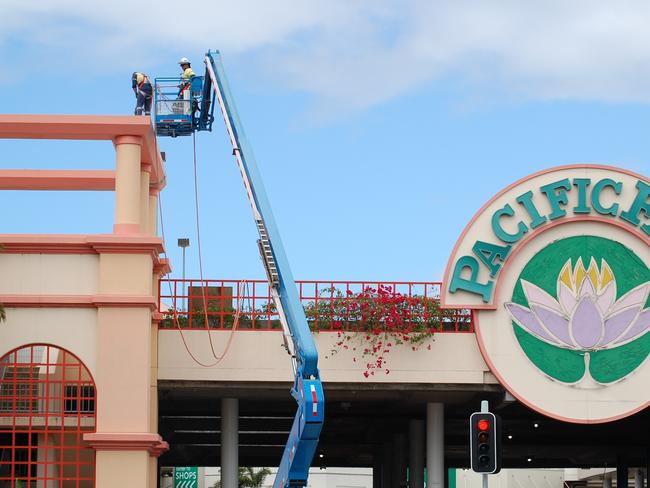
188, 74
141, 79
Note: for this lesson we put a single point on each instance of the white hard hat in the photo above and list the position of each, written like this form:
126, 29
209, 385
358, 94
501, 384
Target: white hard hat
184, 61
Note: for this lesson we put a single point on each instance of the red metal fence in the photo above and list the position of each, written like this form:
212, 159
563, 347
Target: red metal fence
329, 305
47, 403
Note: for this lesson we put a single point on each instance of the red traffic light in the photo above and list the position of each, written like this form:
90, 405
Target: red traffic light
485, 442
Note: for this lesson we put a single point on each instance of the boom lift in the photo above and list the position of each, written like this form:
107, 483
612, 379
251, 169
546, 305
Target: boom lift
178, 117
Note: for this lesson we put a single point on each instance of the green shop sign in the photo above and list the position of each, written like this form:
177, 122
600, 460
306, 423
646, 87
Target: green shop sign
186, 477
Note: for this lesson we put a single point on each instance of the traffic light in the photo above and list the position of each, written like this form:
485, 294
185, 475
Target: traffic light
485, 442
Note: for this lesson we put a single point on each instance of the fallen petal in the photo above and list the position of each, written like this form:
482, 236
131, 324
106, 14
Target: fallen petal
640, 327
587, 324
527, 319
554, 323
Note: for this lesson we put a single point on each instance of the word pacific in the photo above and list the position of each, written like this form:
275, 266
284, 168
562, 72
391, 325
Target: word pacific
511, 222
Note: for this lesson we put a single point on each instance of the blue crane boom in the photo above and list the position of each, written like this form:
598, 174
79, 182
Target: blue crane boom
307, 388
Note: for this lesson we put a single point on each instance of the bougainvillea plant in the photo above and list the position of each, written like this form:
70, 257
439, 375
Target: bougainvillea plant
376, 319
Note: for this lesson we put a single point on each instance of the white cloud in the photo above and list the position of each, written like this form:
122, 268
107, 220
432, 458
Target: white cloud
352, 54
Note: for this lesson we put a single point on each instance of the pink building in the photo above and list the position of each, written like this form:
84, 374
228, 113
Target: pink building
78, 401
92, 371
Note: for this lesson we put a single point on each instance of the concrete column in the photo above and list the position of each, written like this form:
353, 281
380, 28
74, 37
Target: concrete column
154, 477
399, 460
386, 465
145, 178
622, 472
435, 445
126, 407
153, 212
153, 399
416, 453
638, 478
607, 481
128, 150
229, 443
123, 469
376, 470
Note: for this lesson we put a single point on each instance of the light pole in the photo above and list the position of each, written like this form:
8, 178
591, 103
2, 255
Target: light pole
183, 243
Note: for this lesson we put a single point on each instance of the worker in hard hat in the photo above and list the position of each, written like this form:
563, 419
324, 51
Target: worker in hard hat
186, 76
143, 93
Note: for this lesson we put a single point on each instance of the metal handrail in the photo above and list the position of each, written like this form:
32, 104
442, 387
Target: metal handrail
330, 305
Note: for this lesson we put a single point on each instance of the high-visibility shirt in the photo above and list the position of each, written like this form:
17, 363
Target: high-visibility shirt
139, 79
188, 74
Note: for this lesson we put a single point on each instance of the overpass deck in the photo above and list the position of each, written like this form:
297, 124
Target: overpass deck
364, 413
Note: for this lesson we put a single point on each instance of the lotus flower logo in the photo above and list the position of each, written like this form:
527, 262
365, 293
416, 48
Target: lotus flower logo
586, 316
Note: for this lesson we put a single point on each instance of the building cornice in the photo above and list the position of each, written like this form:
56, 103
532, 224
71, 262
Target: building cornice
81, 244
122, 441
78, 301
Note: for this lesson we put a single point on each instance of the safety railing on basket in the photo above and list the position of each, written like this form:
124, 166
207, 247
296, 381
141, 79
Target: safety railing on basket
329, 305
172, 99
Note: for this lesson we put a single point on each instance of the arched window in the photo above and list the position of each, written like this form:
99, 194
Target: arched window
47, 403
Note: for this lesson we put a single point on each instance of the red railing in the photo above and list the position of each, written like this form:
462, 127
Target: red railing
329, 305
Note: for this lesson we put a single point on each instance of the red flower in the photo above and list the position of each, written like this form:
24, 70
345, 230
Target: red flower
381, 315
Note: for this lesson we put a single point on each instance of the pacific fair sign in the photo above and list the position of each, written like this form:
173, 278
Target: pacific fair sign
556, 267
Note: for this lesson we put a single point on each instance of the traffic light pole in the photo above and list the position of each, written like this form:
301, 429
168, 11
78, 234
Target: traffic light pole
485, 408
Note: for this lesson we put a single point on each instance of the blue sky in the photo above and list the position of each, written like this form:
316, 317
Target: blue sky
380, 127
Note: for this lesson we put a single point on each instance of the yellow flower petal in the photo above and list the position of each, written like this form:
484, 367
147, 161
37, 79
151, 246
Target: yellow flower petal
579, 274
606, 274
593, 274
565, 275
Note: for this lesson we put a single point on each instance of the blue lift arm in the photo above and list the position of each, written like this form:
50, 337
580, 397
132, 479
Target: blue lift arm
307, 388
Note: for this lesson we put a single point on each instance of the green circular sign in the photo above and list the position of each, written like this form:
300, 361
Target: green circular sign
581, 311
